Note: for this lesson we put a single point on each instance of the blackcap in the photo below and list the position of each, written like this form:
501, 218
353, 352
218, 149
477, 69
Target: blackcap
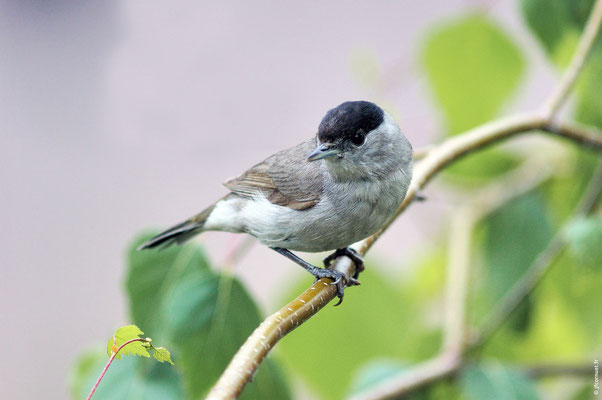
327, 193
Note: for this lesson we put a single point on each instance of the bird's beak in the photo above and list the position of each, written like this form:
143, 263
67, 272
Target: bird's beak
322, 151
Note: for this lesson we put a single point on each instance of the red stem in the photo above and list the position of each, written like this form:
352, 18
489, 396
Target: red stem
109, 363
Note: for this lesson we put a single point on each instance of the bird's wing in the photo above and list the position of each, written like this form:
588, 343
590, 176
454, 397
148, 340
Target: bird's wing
285, 179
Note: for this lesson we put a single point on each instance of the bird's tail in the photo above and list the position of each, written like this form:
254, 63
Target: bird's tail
180, 233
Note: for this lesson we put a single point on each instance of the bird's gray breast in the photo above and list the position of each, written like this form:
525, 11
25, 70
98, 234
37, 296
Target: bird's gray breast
347, 212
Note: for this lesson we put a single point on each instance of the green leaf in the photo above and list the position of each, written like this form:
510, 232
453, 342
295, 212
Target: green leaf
131, 378
123, 335
585, 241
382, 370
161, 354
548, 21
577, 290
473, 68
151, 276
367, 326
514, 236
495, 382
374, 373
202, 316
209, 318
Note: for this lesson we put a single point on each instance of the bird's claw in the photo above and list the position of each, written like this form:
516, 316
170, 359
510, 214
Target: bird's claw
338, 279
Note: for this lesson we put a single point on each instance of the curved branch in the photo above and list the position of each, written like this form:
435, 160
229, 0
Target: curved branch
250, 355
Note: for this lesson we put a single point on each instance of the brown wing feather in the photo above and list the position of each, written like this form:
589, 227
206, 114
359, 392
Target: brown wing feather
285, 179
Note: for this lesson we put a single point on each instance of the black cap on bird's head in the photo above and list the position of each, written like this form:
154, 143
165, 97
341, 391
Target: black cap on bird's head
346, 126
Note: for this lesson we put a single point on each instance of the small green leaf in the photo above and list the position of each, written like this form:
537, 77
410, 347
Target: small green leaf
495, 382
123, 335
162, 355
585, 241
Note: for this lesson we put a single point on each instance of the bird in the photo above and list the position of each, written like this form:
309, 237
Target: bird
324, 194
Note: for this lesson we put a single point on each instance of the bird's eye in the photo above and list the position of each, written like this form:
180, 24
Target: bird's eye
358, 138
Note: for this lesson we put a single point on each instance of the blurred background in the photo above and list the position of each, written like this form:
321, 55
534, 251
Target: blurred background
117, 117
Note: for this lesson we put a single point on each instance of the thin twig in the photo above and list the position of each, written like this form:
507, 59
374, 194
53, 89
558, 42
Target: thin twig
419, 376
104, 370
458, 270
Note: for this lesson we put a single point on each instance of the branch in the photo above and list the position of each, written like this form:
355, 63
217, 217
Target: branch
250, 355
248, 358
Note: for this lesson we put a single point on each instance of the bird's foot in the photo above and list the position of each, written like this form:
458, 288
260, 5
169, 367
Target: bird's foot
339, 279
354, 256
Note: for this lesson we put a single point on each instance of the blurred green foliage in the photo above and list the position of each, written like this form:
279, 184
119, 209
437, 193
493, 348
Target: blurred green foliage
341, 347
390, 323
473, 68
495, 382
202, 316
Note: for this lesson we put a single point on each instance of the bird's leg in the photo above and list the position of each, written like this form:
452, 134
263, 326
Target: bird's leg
353, 255
339, 278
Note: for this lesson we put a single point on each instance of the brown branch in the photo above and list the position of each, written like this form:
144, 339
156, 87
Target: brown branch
248, 358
